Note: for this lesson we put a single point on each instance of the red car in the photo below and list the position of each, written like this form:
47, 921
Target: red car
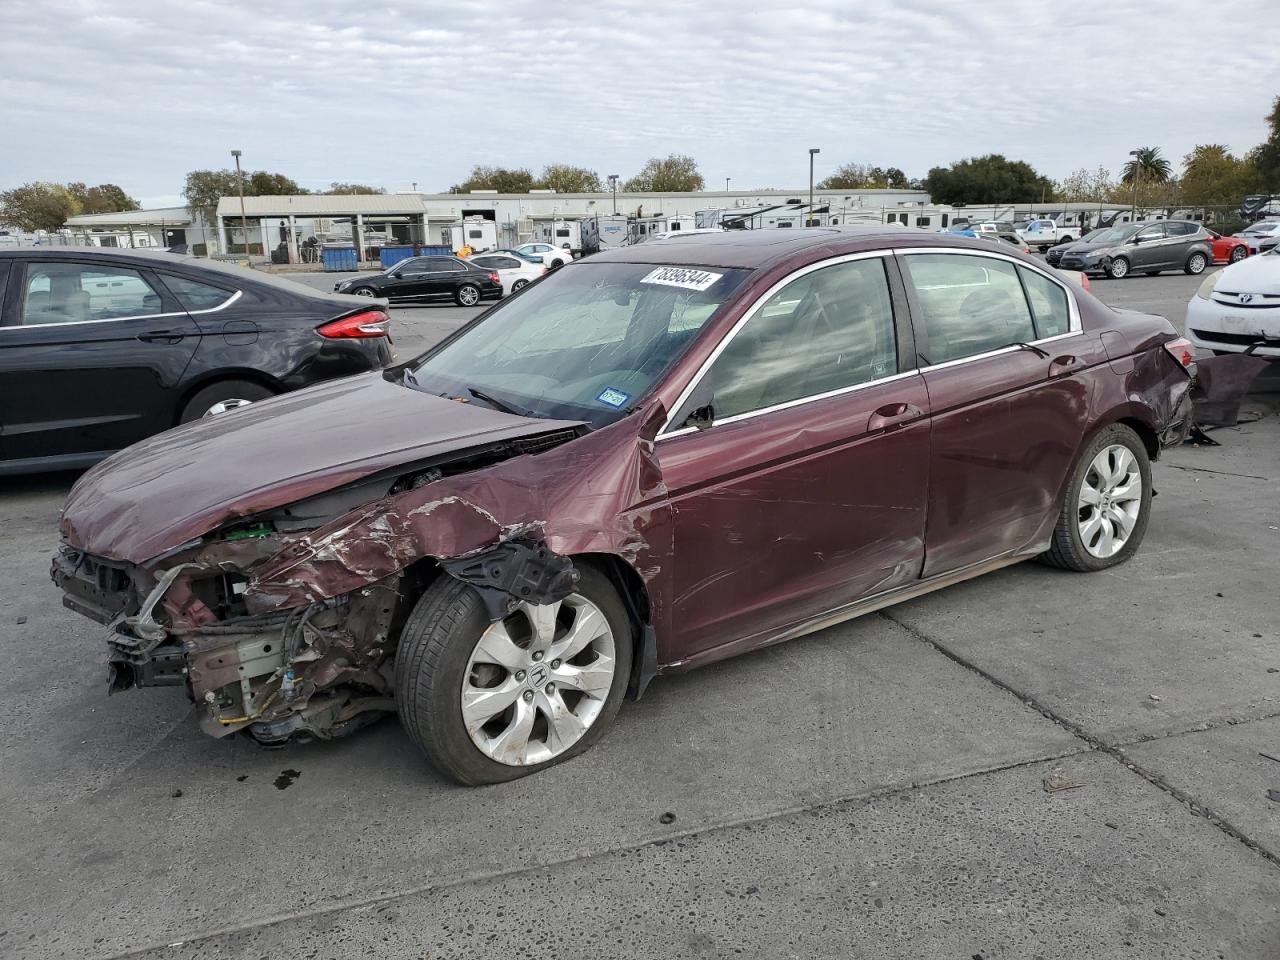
1227, 249
652, 459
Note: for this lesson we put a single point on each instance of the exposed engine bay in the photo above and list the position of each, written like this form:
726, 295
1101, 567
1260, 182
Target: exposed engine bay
321, 669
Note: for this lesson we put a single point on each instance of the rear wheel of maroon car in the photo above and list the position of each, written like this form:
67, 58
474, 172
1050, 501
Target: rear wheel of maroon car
1107, 505
490, 702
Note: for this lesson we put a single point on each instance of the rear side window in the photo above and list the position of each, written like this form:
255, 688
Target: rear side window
827, 330
969, 304
1176, 228
194, 295
1049, 305
444, 265
75, 293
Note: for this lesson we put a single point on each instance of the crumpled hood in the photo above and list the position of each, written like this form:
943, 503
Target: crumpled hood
178, 485
1251, 275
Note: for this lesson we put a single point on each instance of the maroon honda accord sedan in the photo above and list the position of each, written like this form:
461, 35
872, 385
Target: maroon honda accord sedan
654, 458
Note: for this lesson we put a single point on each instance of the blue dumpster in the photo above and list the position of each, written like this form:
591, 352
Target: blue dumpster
390, 256
340, 259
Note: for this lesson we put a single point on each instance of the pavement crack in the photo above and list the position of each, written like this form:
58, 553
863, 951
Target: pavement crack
1117, 753
1203, 727
1220, 473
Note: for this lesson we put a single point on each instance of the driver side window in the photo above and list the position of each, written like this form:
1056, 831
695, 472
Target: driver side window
825, 331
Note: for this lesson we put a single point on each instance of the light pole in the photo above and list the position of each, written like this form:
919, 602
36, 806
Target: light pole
244, 225
726, 184
809, 215
1137, 171
613, 187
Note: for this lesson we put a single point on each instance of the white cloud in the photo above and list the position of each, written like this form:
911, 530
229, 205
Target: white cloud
325, 90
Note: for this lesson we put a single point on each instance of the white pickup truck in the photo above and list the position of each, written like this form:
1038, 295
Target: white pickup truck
1044, 234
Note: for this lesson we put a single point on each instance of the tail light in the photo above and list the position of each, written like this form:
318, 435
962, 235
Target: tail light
368, 323
493, 275
1183, 353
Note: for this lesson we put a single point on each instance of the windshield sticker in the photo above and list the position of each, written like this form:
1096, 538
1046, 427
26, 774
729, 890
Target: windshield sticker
683, 277
613, 397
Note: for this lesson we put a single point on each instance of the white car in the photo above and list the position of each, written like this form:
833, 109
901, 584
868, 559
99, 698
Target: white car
1237, 307
551, 256
514, 272
1260, 233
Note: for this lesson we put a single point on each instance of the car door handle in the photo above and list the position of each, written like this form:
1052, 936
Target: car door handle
162, 336
1064, 365
893, 415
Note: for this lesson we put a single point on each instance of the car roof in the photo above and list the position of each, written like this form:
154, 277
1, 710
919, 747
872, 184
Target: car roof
752, 249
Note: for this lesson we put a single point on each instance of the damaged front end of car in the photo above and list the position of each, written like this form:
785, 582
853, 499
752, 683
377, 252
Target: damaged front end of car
283, 622
320, 669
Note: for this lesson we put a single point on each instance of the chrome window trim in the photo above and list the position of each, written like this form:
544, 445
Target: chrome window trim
140, 316
1073, 310
743, 320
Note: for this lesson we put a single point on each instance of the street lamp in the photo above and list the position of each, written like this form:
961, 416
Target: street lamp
244, 226
726, 184
613, 186
1137, 171
812, 151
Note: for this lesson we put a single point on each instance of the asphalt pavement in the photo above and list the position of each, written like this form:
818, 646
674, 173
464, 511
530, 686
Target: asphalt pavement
1031, 764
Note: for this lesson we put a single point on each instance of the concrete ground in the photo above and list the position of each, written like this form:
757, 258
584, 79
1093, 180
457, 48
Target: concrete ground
1032, 764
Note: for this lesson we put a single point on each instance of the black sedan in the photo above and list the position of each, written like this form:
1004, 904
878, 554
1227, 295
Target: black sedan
99, 349
420, 278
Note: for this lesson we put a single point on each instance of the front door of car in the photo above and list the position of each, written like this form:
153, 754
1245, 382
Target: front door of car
804, 487
91, 358
408, 279
1007, 370
1150, 249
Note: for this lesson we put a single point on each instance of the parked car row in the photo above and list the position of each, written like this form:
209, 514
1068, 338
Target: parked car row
1148, 248
556, 500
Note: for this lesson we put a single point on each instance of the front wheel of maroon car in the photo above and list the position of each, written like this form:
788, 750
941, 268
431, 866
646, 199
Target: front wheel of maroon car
1107, 505
491, 702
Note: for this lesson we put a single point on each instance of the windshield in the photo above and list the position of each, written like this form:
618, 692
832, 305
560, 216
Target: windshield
585, 343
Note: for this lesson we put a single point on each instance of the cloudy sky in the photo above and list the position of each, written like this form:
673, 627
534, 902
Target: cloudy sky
140, 92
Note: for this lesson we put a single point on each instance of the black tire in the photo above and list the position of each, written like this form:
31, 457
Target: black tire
1238, 254
467, 295
1195, 264
221, 392
363, 291
435, 648
1067, 550
556, 264
519, 285
1118, 268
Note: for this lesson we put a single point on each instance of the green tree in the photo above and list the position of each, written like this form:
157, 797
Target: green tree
353, 189
204, 188
502, 179
1148, 166
104, 198
260, 183
675, 174
1266, 157
855, 176
1213, 175
1082, 186
565, 178
989, 179
37, 206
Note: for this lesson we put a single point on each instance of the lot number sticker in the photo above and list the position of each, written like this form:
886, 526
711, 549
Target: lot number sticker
613, 397
683, 277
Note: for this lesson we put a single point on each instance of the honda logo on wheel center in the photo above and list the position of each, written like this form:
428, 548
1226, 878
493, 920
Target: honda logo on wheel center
538, 675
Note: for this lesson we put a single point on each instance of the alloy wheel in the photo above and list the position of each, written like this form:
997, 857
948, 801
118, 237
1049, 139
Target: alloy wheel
363, 292
469, 296
537, 680
1196, 264
1110, 501
1238, 254
1119, 268
222, 406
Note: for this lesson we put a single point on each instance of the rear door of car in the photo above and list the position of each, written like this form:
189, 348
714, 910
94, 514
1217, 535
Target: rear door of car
1007, 370
92, 356
443, 275
1180, 237
804, 489
1150, 251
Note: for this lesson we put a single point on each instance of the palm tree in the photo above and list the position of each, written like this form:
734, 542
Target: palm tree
1148, 166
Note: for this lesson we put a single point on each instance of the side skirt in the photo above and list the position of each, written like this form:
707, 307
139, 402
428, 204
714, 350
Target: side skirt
852, 610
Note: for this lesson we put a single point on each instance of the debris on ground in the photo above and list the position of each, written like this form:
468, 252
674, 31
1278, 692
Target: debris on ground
1056, 783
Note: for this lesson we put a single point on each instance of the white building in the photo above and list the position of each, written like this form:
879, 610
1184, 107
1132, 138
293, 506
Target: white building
165, 227
425, 218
